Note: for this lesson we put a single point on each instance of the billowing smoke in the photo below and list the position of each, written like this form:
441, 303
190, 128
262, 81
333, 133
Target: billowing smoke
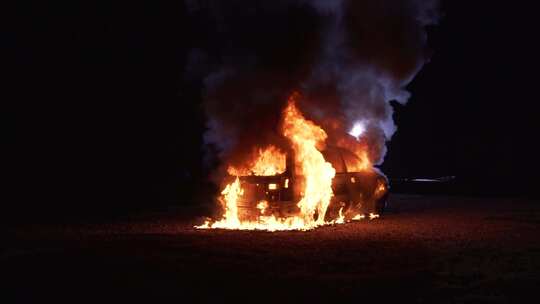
348, 58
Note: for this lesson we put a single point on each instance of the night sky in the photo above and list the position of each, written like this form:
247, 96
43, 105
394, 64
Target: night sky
100, 117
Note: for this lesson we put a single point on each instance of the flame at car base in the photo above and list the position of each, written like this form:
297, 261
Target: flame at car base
317, 174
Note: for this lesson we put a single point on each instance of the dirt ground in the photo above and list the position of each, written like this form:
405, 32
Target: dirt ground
425, 249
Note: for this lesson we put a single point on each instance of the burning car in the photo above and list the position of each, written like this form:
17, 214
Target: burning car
356, 194
303, 185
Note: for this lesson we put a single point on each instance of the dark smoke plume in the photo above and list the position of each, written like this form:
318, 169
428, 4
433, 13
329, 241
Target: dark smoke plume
348, 59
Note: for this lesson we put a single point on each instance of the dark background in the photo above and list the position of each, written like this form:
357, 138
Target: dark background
100, 119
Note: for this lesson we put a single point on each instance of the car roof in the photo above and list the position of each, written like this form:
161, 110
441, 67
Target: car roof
340, 158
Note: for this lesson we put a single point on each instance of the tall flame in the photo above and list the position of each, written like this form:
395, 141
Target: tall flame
229, 200
305, 136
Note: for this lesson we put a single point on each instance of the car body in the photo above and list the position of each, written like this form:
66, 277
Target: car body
355, 193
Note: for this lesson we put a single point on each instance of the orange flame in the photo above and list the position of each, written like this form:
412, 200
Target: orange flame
305, 136
360, 150
381, 188
229, 199
363, 163
266, 162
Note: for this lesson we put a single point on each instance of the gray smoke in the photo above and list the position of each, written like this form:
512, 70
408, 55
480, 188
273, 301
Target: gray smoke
348, 58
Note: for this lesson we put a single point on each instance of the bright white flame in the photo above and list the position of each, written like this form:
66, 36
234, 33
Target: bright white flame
373, 216
358, 129
358, 217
